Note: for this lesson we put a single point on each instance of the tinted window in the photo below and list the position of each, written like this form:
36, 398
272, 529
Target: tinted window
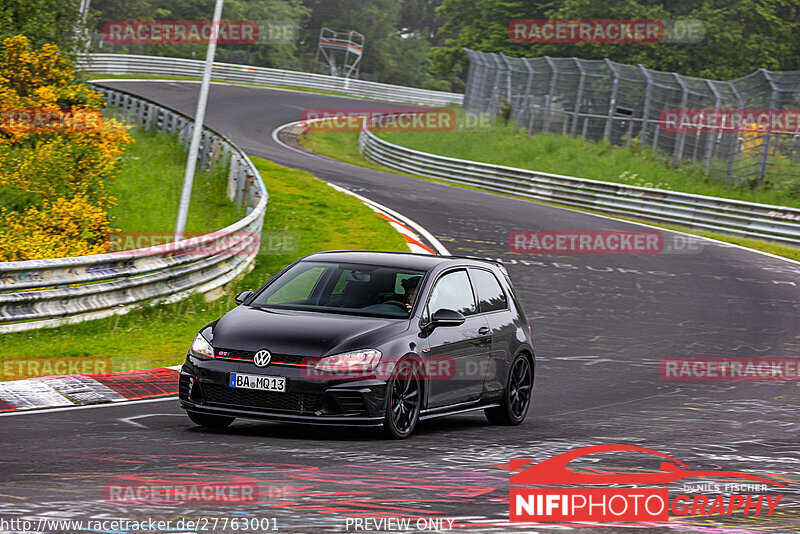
453, 292
294, 288
487, 288
372, 290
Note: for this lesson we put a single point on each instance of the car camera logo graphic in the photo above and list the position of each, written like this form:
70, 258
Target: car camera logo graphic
262, 358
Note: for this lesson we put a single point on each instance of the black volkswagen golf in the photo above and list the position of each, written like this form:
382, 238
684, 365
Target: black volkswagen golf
366, 338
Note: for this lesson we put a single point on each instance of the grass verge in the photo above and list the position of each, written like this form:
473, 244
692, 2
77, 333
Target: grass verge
148, 189
344, 147
321, 219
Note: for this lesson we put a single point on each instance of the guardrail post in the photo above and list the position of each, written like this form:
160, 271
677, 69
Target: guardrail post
233, 175
241, 185
205, 149
148, 123
214, 155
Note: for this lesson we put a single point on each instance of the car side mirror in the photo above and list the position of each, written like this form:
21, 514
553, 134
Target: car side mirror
445, 317
243, 296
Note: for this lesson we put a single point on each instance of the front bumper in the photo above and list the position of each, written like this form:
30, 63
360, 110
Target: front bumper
204, 388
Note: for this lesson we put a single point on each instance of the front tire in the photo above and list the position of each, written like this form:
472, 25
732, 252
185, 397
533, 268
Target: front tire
403, 401
517, 396
210, 421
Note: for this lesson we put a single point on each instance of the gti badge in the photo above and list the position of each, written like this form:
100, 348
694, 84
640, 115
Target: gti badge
262, 358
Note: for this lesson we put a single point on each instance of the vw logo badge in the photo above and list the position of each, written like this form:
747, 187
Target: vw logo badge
262, 358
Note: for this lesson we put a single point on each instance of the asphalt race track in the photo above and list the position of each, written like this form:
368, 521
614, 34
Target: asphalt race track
602, 323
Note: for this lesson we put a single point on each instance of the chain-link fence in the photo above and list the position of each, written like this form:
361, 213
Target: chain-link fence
623, 104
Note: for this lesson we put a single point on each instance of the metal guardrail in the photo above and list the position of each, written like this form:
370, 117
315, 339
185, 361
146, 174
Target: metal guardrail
779, 224
39, 293
171, 66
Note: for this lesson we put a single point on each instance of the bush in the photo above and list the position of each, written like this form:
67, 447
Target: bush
53, 194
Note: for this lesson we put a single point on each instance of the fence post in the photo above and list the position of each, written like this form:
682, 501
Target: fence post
549, 99
711, 136
646, 110
470, 78
495, 103
485, 91
677, 152
735, 150
527, 104
773, 104
578, 97
612, 102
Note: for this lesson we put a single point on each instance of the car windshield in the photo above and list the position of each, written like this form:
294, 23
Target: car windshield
354, 289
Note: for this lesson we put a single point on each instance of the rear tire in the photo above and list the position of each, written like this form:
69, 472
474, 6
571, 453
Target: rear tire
403, 401
210, 421
517, 396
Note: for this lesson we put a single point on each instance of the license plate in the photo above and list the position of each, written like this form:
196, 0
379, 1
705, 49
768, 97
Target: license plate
265, 383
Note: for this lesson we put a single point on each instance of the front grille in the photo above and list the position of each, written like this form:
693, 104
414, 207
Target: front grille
265, 400
277, 359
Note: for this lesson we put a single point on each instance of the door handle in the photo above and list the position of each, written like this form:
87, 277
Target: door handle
483, 330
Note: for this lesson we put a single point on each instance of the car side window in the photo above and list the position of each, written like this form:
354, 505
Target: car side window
453, 291
488, 290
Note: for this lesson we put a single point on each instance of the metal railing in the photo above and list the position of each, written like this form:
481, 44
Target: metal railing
171, 66
39, 293
779, 224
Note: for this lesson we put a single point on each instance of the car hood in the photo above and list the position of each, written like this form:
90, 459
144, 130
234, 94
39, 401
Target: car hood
301, 333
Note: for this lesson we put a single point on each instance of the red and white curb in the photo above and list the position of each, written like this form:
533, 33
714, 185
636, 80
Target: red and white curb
81, 390
414, 234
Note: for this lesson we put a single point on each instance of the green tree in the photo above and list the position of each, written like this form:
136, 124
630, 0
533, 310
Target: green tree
267, 54
740, 36
45, 21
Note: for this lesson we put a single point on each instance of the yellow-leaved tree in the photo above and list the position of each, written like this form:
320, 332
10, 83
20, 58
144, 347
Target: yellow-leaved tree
56, 157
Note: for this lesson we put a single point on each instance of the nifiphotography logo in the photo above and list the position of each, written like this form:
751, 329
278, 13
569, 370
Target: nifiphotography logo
640, 502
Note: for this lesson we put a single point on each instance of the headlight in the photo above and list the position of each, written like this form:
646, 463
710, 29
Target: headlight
358, 360
201, 347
